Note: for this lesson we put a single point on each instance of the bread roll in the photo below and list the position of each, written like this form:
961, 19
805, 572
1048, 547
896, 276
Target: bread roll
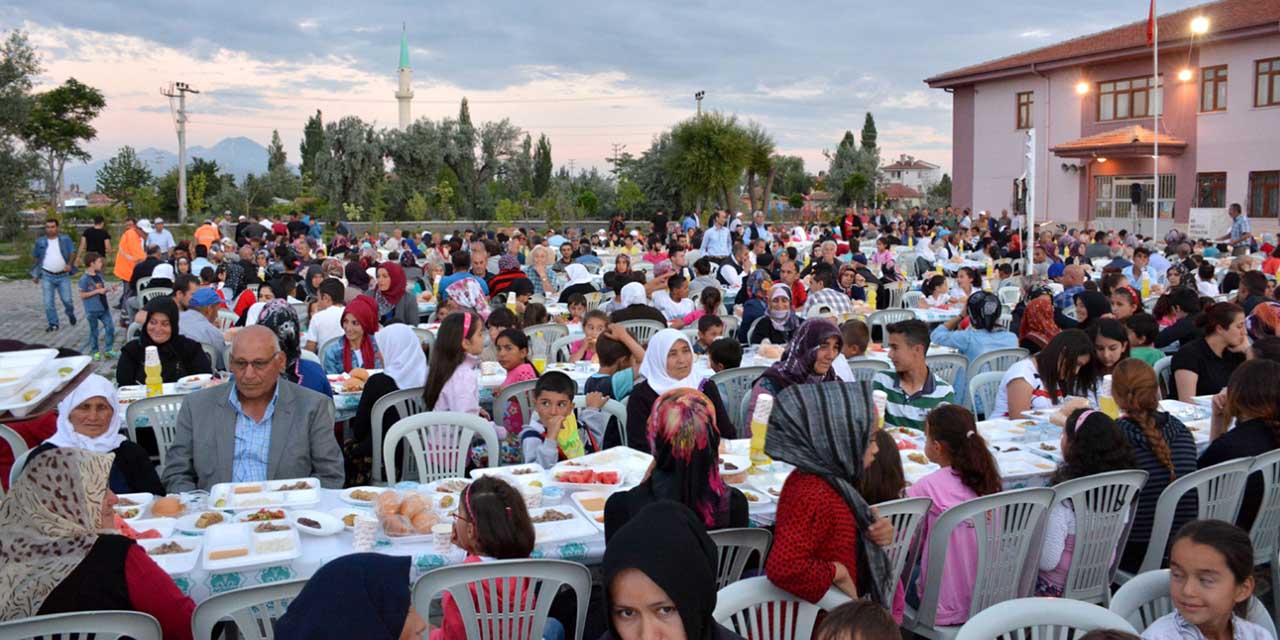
166, 507
423, 522
412, 505
359, 373
387, 503
396, 525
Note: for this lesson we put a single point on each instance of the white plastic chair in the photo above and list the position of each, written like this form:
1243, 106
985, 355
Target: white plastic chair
562, 348
983, 391
947, 366
1009, 296
616, 410
736, 383
1219, 490
227, 319
730, 324
999, 360
521, 392
19, 463
1006, 526
642, 330
906, 515
895, 290
757, 609
427, 338
1265, 532
512, 597
212, 352
324, 346
19, 448
310, 357
253, 610
1040, 618
734, 547
147, 295
911, 299
161, 414
550, 331
1164, 377
439, 442
1104, 505
102, 625
873, 365
886, 317
406, 402
1145, 599
133, 331
751, 330
594, 300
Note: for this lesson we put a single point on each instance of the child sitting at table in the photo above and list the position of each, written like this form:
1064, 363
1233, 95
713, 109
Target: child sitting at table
710, 329
1143, 329
856, 336
708, 305
593, 325
500, 319
620, 357
577, 308
557, 431
935, 293
512, 348
857, 620
453, 373
535, 313
725, 353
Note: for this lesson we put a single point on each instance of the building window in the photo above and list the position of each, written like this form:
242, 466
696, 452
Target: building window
1266, 91
1264, 194
1211, 189
1213, 88
1130, 98
1111, 196
1025, 100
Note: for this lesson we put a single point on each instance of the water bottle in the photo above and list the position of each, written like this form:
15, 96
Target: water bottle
538, 352
1146, 286
151, 365
759, 428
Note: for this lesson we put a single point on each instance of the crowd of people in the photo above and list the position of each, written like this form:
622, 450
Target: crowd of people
1098, 312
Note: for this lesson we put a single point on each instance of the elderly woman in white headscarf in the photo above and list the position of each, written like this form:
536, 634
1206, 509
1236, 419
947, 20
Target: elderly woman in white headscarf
579, 282
404, 366
634, 305
668, 364
89, 418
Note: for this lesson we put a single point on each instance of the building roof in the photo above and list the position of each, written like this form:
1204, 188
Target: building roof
910, 164
897, 191
1123, 142
1228, 19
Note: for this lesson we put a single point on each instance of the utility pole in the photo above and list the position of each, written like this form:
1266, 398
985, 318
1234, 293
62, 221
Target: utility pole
699, 96
180, 90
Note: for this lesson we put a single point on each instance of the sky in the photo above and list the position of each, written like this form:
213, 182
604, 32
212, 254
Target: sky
589, 74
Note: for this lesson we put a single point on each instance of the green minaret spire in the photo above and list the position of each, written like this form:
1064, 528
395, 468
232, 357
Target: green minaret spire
404, 48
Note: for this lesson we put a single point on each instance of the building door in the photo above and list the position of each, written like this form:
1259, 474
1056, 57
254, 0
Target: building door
1113, 209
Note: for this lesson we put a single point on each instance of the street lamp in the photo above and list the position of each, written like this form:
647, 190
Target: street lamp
1082, 87
1184, 75
1200, 25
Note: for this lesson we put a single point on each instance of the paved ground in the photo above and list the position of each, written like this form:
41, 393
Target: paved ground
22, 318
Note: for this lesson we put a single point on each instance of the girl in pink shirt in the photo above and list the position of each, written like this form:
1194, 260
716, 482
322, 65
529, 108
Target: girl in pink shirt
453, 375
968, 471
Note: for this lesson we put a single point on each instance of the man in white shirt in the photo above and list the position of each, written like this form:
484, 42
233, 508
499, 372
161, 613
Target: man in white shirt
327, 322
54, 256
730, 273
161, 237
717, 242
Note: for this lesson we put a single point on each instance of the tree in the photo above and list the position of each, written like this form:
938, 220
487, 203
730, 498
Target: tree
123, 174
848, 159
507, 212
761, 163
629, 196
195, 193
541, 166
939, 195
589, 202
312, 143
417, 153
18, 67
58, 123
711, 153
796, 201
349, 162
869, 133
792, 178
856, 188
275, 152
477, 156
416, 208
661, 190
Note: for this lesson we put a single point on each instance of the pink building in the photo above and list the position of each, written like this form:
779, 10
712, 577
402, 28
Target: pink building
1090, 102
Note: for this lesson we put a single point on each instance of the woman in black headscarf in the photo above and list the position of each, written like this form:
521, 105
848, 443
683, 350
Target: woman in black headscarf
179, 355
1090, 306
362, 595
662, 560
312, 279
357, 278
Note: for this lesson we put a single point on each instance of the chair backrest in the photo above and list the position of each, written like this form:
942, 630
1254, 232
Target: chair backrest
734, 547
550, 332
1005, 525
17, 445
691, 332
642, 330
871, 364
1145, 599
947, 366
1265, 532
324, 346
594, 300
911, 299
506, 599
439, 442
1219, 490
1009, 296
147, 295
1040, 618
757, 609
1104, 505
906, 515
998, 360
751, 330
562, 348
19, 462
984, 388
143, 283
310, 357
615, 409
215, 362
736, 383
731, 324
227, 319
406, 402
886, 317
1164, 377
102, 625
132, 331
253, 610
425, 336
895, 290
521, 392
161, 414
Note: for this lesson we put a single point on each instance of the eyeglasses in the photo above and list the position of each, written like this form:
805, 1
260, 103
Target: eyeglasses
258, 365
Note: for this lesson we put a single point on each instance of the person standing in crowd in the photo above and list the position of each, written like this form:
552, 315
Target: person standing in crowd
912, 388
93, 295
54, 263
160, 237
717, 242
96, 238
1240, 235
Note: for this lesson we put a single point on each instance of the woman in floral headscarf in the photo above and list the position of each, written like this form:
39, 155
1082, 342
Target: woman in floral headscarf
781, 319
1264, 322
466, 295
280, 317
1038, 327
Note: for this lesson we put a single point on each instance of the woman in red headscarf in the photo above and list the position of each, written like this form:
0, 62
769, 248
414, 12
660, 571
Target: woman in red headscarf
1038, 327
392, 303
356, 349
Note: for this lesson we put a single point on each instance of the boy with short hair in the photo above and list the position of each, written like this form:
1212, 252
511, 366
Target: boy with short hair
93, 294
577, 304
710, 329
725, 353
1143, 329
556, 431
620, 357
856, 336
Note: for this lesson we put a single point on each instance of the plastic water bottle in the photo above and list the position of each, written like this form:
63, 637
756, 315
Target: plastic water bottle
759, 429
871, 298
1146, 286
538, 352
151, 365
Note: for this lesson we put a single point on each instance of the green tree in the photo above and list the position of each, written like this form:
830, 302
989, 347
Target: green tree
417, 206
796, 201
939, 195
144, 202
445, 196
589, 202
349, 162
417, 153
195, 193
58, 123
541, 166
123, 174
791, 175
507, 212
478, 155
19, 65
711, 153
630, 196
214, 176
275, 152
869, 133
856, 188
760, 164
661, 189
312, 143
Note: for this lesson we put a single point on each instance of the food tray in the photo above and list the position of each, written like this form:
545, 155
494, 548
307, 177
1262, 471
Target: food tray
447, 485
341, 512
345, 496
571, 487
576, 527
17, 367
163, 526
329, 524
242, 536
626, 458
760, 499
1185, 411
175, 564
32, 393
913, 471
1046, 449
767, 485
1005, 429
223, 495
519, 472
187, 524
285, 516
66, 369
594, 516
139, 499
1021, 464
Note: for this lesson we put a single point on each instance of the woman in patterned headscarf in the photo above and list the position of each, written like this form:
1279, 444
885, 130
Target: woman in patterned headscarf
781, 320
815, 345
685, 443
1264, 322
280, 317
1038, 327
62, 553
466, 295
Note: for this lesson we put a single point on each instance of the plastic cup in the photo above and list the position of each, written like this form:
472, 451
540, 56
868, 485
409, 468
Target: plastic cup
442, 536
364, 533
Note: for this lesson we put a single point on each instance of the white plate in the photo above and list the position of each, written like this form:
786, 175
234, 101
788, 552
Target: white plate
342, 512
345, 496
243, 516
624, 457
1021, 464
138, 512
576, 527
742, 464
590, 514
163, 526
761, 498
269, 495
242, 536
529, 470
594, 486
329, 525
448, 485
139, 499
33, 392
187, 523
175, 564
17, 367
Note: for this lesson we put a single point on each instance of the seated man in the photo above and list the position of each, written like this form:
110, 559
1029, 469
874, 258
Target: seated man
912, 388
200, 323
259, 427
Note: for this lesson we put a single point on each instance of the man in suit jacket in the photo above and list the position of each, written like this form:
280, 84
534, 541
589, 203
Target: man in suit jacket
260, 427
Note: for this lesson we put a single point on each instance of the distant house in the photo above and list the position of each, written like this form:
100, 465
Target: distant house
900, 196
912, 173
100, 200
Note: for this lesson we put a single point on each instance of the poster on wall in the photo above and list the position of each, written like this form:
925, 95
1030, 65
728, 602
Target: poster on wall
1208, 222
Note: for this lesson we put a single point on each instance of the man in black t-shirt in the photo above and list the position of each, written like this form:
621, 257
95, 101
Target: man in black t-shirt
96, 238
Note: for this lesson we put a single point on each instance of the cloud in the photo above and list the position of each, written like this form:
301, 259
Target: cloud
918, 99
1035, 33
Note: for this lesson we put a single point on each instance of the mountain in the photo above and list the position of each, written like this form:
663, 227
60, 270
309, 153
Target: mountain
239, 156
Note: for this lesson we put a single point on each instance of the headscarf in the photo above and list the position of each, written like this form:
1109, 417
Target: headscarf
163, 305
577, 274
796, 364
279, 316
235, 280
508, 262
984, 310
164, 271
361, 595
408, 260
306, 281
1037, 322
782, 320
1264, 321
66, 435
402, 357
332, 268
633, 293
824, 429
387, 300
356, 276
667, 542
466, 292
654, 367
1181, 271
365, 311
684, 439
1096, 304
49, 522
758, 284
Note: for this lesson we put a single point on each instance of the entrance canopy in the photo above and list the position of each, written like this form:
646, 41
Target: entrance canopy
1126, 142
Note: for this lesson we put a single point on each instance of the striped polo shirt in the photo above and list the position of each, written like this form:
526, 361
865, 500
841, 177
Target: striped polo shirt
909, 411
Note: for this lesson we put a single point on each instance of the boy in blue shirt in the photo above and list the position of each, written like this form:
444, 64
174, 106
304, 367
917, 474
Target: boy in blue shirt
620, 357
93, 294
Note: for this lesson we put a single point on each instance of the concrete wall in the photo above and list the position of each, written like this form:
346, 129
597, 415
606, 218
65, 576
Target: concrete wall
962, 131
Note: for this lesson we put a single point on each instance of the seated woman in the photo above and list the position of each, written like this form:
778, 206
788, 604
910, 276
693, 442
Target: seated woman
754, 298
807, 360
634, 305
851, 282
579, 283
1067, 366
361, 595
780, 321
61, 553
1110, 342
509, 272
1252, 400
89, 419
1037, 327
179, 355
390, 294
1204, 366
282, 320
356, 349
668, 364
685, 469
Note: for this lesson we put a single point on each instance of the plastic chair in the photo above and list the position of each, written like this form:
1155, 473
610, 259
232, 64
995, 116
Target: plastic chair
594, 300
19, 448
1265, 532
529, 586
143, 283
998, 360
324, 346
310, 357
731, 324
253, 610
227, 319
19, 463
1219, 490
734, 547
757, 609
147, 295
425, 336
562, 349
161, 414
550, 331
1104, 506
906, 515
214, 360
642, 330
615, 409
1040, 618
751, 330
1164, 377
736, 383
439, 442
1006, 526
871, 364
886, 317
102, 625
911, 299
895, 291
522, 393
406, 402
947, 366
1145, 599
1009, 296
985, 388
132, 332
